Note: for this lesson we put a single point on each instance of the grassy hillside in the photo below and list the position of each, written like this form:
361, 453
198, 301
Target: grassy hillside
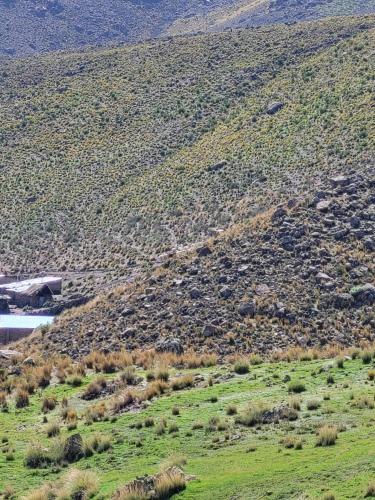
111, 157
301, 275
307, 422
258, 12
33, 26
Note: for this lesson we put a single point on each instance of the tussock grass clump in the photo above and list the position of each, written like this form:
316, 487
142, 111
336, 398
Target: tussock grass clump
327, 435
21, 398
169, 482
75, 484
53, 429
366, 357
295, 403
253, 415
371, 375
313, 404
49, 403
231, 410
94, 388
183, 382
241, 367
370, 491
296, 387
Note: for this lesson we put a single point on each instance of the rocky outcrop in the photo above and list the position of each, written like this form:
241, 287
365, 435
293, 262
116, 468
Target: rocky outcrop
302, 277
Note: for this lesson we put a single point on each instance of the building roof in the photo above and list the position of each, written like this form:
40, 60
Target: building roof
18, 286
34, 290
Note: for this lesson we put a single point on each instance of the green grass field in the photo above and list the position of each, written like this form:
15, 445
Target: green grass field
235, 462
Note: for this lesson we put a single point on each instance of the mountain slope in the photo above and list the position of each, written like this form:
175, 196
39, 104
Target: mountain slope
113, 157
32, 26
301, 275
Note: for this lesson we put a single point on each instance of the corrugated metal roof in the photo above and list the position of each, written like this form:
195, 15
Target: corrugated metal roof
18, 286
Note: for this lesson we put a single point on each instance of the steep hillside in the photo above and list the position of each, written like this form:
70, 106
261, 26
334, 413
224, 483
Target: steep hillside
32, 26
258, 12
109, 158
301, 275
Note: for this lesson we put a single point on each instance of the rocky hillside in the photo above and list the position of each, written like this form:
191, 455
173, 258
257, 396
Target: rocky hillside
110, 158
32, 26
302, 274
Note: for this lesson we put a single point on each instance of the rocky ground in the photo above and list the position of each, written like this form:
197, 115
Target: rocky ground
301, 274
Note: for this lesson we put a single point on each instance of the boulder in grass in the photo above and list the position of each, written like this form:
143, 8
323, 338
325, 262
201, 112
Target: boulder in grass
274, 107
170, 345
73, 449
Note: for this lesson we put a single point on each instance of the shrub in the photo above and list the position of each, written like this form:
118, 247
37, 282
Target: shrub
36, 456
175, 410
366, 357
241, 367
149, 422
340, 363
175, 460
79, 484
173, 428
295, 403
182, 382
48, 404
3, 401
253, 415
94, 389
364, 402
197, 425
53, 430
169, 482
370, 374
98, 442
231, 410
214, 399
330, 380
255, 359
21, 399
74, 381
128, 376
314, 404
296, 387
163, 375
327, 435
370, 491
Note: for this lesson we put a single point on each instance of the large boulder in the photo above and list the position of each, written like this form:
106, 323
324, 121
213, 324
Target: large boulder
364, 294
73, 449
170, 345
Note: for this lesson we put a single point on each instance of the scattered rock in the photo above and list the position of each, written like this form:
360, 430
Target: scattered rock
73, 449
274, 107
170, 345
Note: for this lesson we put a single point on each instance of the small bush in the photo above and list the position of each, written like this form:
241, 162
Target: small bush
53, 430
252, 416
370, 491
366, 357
231, 410
327, 436
295, 403
241, 367
371, 374
314, 404
296, 387
149, 422
175, 410
169, 482
162, 375
183, 382
330, 380
74, 381
340, 363
48, 404
22, 398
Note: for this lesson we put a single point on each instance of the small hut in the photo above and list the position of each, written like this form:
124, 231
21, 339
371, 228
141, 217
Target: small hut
34, 296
